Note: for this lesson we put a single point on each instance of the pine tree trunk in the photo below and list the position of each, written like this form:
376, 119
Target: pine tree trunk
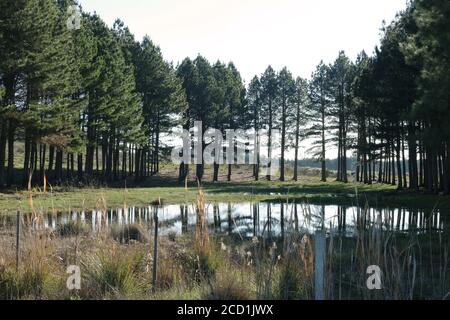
269, 151
42, 157
399, 164
324, 169
51, 159
137, 164
257, 155
297, 141
68, 168
157, 150
59, 166
412, 147
339, 157
10, 172
344, 156
97, 162
26, 161
124, 161
380, 167
89, 167
405, 182
200, 166
283, 141
393, 177
130, 160
3, 139
446, 175
216, 172
80, 166
116, 160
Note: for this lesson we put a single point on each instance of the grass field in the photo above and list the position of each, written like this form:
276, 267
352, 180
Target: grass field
243, 189
117, 262
308, 189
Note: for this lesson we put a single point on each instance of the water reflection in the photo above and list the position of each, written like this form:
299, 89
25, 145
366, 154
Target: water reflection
249, 219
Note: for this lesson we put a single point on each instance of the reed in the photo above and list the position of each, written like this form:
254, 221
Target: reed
410, 269
202, 245
118, 264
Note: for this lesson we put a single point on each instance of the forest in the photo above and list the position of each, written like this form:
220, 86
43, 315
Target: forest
94, 206
93, 104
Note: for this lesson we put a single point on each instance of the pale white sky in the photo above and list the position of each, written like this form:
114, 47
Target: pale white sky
254, 33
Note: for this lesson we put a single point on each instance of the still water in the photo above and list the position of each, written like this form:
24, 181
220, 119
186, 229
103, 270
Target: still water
247, 219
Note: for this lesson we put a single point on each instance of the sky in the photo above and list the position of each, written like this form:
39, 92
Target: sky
253, 34
297, 34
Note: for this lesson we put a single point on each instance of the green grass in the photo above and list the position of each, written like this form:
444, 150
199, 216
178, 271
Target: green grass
312, 191
327, 193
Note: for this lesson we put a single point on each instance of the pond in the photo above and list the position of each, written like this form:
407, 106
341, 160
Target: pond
275, 245
246, 220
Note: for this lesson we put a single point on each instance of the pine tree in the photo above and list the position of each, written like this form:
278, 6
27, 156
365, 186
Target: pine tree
363, 102
161, 93
40, 78
318, 112
428, 47
341, 80
200, 84
14, 36
301, 102
287, 95
254, 104
234, 99
269, 94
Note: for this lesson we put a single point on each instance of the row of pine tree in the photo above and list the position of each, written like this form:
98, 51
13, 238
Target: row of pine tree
94, 104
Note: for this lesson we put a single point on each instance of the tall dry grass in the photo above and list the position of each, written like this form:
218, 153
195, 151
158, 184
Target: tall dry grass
117, 263
414, 265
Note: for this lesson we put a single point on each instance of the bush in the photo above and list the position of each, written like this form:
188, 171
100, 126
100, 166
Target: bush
71, 229
125, 234
227, 287
115, 273
23, 284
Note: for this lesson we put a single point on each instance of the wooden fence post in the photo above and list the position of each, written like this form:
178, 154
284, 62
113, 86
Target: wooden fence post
17, 239
155, 249
319, 264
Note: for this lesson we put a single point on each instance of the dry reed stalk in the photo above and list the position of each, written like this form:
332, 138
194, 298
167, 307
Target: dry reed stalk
202, 245
45, 183
306, 254
30, 196
101, 205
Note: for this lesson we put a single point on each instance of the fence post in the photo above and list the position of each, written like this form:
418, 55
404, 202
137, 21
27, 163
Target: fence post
319, 264
155, 249
17, 239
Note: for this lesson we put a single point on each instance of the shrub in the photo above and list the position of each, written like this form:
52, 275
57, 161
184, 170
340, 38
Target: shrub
28, 283
71, 229
228, 287
125, 234
115, 273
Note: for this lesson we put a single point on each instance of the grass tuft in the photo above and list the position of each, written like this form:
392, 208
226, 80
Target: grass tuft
129, 233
